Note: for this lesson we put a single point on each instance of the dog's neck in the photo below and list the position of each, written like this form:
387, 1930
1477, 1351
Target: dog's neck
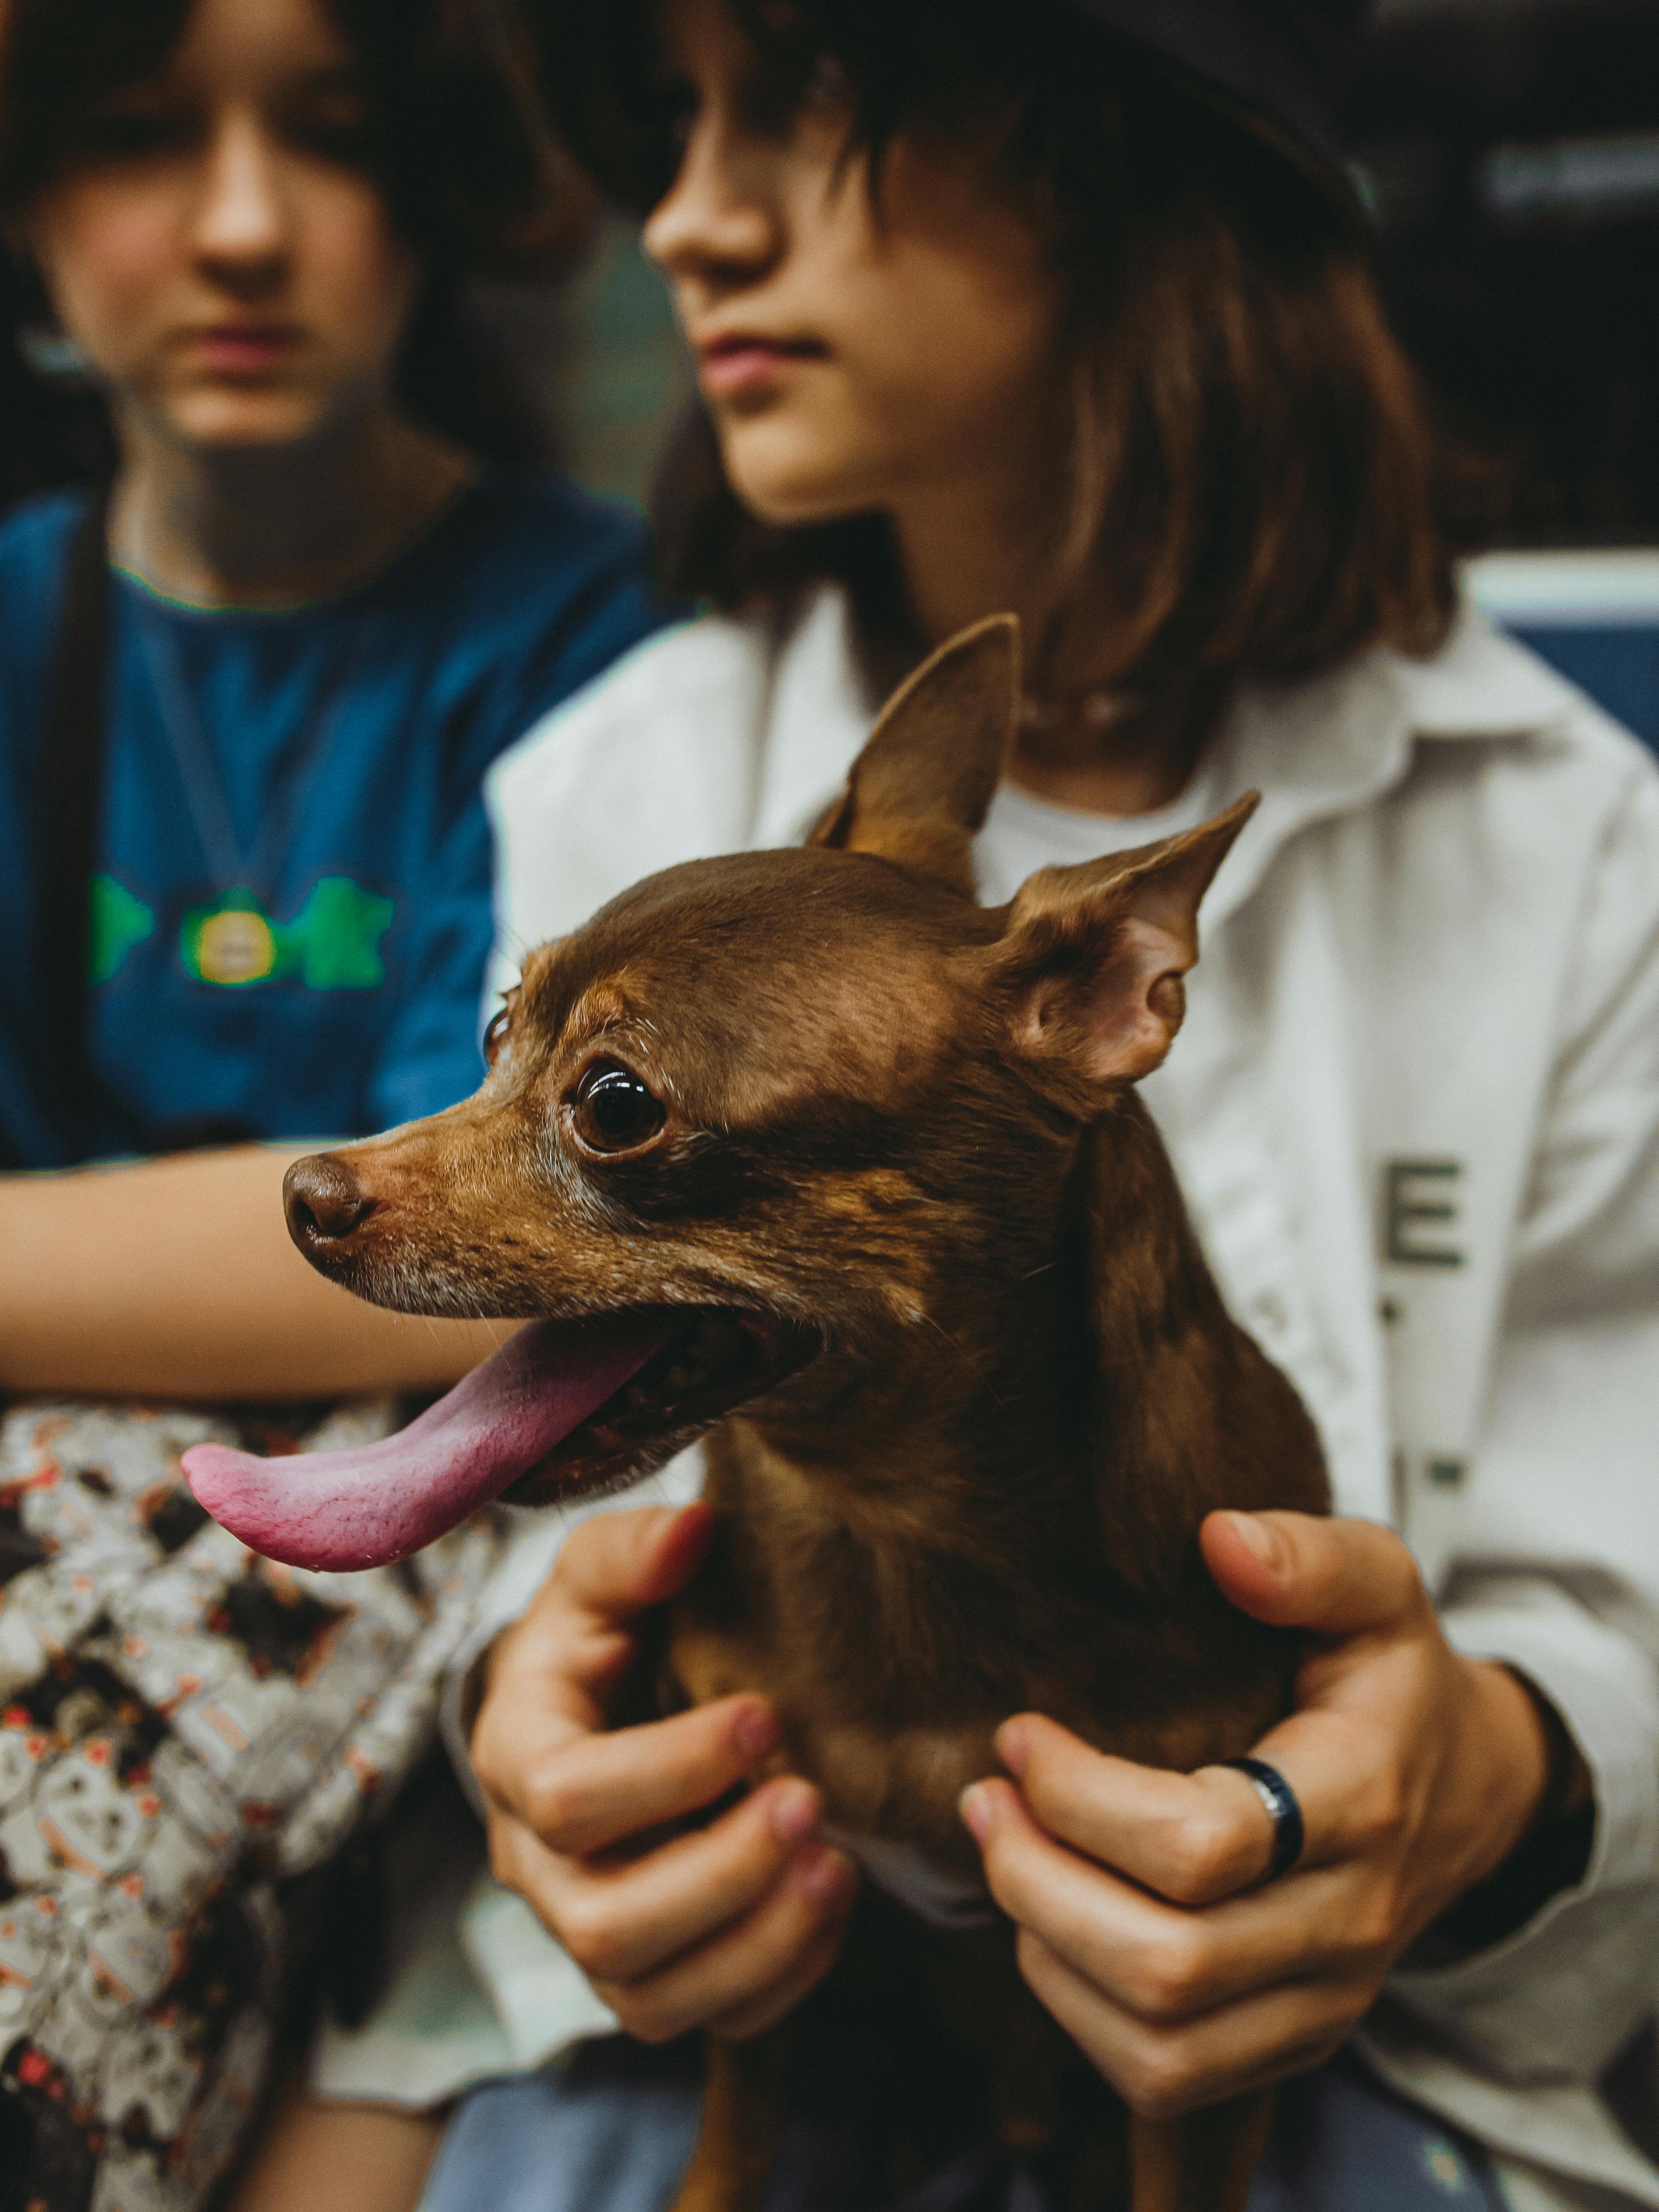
1001, 1514
1055, 1407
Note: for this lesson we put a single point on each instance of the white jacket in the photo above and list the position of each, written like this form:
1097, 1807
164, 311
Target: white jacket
1415, 1111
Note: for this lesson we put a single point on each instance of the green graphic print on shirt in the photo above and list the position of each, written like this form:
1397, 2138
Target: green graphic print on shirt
119, 922
333, 943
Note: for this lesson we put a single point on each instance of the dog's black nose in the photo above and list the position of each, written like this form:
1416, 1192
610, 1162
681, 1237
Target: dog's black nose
324, 1201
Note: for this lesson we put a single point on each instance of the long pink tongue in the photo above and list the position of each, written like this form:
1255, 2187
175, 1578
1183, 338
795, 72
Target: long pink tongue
346, 1509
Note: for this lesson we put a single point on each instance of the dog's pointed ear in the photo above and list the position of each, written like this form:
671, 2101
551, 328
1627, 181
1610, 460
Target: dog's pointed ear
919, 792
1092, 962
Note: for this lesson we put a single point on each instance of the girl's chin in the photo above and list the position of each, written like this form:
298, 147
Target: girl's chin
791, 498
239, 418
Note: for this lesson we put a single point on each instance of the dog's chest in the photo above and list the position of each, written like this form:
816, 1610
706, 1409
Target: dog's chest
869, 1778
904, 1871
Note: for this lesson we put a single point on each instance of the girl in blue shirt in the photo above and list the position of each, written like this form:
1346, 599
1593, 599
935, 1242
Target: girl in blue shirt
324, 614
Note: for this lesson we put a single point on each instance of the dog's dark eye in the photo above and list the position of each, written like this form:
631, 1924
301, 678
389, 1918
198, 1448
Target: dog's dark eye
614, 1111
495, 1036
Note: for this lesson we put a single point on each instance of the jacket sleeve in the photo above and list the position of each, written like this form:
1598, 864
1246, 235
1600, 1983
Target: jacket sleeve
1560, 1575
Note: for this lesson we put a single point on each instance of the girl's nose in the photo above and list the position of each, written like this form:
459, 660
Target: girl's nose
240, 224
720, 217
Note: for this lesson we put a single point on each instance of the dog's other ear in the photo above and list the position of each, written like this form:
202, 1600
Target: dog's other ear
919, 792
1092, 958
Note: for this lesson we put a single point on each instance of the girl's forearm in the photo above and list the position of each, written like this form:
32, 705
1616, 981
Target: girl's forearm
175, 1279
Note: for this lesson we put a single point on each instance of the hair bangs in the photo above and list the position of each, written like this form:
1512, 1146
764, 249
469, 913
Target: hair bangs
459, 142
928, 65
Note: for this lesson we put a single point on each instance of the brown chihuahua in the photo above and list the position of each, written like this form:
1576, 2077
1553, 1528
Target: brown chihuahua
811, 1134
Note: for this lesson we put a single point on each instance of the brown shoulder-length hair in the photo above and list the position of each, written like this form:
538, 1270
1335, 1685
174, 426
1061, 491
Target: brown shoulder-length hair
1255, 486
458, 139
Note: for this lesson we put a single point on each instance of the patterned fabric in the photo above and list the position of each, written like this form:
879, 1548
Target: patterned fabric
184, 1727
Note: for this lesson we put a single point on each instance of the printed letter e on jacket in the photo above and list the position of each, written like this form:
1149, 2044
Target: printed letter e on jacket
1420, 1198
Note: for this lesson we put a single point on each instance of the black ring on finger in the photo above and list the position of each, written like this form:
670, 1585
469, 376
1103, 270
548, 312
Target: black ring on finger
1283, 1810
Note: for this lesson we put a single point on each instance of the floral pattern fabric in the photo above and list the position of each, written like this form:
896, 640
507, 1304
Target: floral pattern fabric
184, 1727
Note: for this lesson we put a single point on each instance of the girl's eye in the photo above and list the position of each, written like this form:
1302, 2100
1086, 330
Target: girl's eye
613, 1110
678, 119
774, 100
495, 1037
131, 134
674, 120
340, 132
829, 90
350, 146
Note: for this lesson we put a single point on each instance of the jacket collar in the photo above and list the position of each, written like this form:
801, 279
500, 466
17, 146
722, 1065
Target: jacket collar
1337, 743
1315, 750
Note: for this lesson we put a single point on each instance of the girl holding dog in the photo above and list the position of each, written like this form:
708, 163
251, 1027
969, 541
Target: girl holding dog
1063, 306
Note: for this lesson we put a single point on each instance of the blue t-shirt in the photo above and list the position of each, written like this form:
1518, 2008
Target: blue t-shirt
291, 909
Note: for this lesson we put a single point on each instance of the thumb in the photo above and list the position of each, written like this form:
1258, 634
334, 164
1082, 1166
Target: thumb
1297, 1571
560, 1659
617, 1564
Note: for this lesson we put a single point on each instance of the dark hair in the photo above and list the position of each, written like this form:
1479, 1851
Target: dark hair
474, 181
1255, 480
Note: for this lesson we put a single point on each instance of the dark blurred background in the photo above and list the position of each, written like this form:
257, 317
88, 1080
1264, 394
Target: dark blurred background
1510, 150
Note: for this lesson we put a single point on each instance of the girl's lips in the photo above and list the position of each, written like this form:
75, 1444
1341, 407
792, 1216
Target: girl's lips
743, 365
233, 347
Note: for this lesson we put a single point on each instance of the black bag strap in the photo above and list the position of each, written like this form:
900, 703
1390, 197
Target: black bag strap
71, 815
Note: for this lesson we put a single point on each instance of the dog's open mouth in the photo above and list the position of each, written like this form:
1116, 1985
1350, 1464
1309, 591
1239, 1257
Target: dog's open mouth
564, 1408
703, 1371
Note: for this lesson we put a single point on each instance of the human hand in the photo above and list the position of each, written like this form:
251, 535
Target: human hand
1418, 1773
724, 1925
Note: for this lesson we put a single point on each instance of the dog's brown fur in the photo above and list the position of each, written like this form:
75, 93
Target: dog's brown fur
900, 1130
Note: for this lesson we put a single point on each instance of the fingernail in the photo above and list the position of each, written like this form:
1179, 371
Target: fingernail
795, 1811
820, 1874
754, 1730
978, 1811
1014, 1746
1258, 1537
